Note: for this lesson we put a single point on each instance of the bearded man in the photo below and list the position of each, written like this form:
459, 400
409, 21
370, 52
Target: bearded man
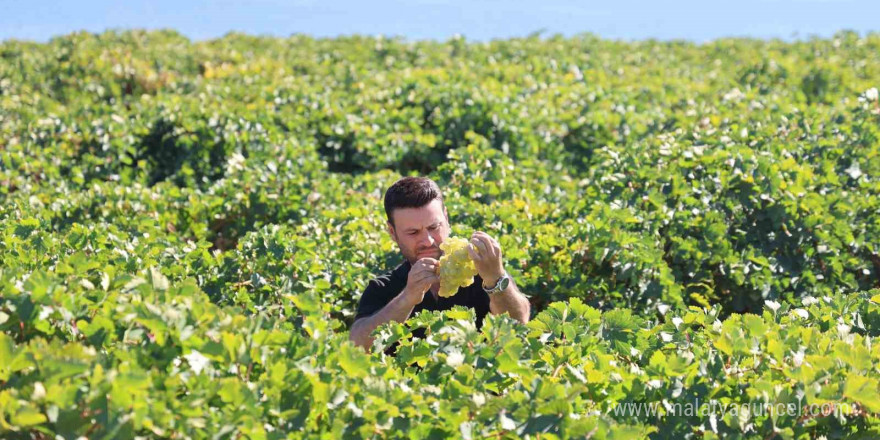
418, 223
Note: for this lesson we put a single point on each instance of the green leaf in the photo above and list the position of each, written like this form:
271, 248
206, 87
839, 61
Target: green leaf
232, 391
863, 390
459, 312
855, 355
353, 360
754, 324
6, 353
28, 416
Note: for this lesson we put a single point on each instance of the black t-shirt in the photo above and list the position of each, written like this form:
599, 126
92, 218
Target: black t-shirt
381, 290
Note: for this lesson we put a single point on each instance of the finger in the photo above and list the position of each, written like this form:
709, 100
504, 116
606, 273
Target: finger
493, 241
428, 281
487, 245
424, 278
473, 253
426, 270
495, 245
482, 234
480, 245
486, 236
477, 247
427, 267
492, 245
426, 263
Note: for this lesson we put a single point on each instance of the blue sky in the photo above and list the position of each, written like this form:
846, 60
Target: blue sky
479, 20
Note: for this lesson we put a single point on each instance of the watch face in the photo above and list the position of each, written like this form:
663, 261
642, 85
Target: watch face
503, 283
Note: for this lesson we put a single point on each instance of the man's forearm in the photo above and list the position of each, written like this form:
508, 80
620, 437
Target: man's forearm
512, 301
398, 309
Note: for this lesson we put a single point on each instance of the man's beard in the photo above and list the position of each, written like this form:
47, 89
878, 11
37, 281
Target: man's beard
433, 252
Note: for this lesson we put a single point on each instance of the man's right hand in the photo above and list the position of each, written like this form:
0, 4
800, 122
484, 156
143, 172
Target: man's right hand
421, 276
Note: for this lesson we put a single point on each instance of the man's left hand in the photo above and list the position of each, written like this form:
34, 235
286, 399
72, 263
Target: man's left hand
486, 253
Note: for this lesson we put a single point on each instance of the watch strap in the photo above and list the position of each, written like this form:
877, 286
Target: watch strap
497, 287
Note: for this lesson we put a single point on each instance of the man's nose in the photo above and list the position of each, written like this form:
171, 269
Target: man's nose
427, 240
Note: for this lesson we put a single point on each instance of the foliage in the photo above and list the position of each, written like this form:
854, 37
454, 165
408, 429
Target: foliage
186, 228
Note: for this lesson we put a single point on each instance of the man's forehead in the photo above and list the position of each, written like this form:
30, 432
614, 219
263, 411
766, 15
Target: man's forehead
406, 218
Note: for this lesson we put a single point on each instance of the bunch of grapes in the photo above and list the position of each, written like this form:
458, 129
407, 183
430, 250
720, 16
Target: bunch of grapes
456, 267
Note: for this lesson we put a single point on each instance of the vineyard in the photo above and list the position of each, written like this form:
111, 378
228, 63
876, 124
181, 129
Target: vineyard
186, 229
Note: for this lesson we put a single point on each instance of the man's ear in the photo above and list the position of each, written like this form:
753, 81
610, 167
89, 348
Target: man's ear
391, 231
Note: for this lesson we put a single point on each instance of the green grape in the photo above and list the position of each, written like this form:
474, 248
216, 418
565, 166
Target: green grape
456, 267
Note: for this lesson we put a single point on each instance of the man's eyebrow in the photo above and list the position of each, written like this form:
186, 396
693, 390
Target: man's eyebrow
437, 223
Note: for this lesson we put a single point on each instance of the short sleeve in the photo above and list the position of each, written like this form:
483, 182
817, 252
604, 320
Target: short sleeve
379, 292
372, 300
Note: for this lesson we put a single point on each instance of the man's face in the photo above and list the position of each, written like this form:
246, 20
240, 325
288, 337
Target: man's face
418, 232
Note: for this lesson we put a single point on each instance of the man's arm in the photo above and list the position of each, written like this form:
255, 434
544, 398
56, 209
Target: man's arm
420, 278
486, 254
398, 309
510, 300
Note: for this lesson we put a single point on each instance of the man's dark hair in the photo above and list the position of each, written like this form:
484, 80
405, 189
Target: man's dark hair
410, 192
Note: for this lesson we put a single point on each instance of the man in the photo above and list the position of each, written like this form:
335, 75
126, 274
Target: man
418, 223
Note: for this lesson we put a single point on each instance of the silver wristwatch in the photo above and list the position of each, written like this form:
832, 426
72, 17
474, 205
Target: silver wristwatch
502, 284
